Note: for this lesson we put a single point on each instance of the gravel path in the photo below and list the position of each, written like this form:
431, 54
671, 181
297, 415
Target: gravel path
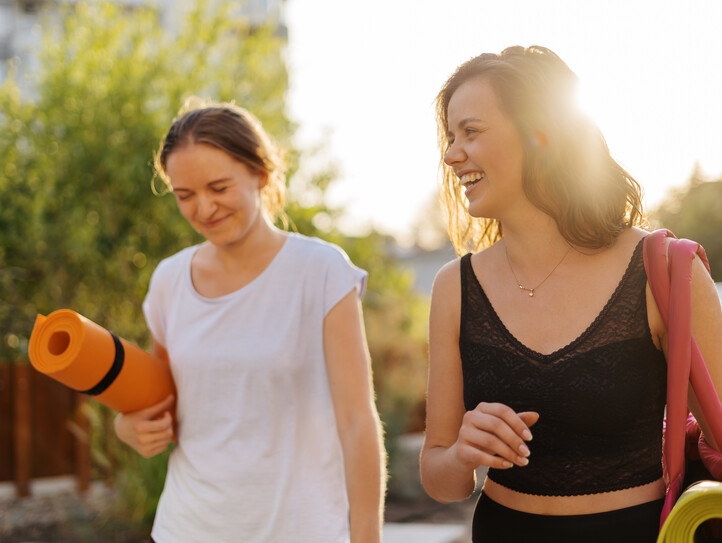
58, 514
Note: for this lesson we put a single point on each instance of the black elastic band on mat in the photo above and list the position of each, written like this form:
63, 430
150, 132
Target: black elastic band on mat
113, 372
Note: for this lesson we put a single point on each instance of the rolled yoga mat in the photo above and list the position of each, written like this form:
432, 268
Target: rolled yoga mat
701, 502
88, 358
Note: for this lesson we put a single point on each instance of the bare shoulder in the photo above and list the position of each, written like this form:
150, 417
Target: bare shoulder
615, 258
448, 278
446, 299
636, 233
630, 238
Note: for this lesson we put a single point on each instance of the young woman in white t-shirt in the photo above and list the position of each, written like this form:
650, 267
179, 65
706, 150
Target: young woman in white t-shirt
278, 437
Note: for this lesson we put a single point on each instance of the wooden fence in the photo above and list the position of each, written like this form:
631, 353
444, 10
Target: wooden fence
43, 431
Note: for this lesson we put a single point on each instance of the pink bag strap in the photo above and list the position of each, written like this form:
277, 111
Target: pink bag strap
669, 273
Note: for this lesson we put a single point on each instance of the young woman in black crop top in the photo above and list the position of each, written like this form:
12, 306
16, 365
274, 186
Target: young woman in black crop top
548, 329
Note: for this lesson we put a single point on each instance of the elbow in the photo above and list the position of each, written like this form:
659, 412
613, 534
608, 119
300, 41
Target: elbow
442, 486
433, 493
443, 495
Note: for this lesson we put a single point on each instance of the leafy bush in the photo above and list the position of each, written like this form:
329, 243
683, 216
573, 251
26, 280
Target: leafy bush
80, 229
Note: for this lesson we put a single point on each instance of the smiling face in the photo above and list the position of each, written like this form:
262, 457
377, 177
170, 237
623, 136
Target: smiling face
485, 150
218, 195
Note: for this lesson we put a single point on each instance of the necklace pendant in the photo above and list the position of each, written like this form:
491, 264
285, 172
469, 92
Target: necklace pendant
522, 287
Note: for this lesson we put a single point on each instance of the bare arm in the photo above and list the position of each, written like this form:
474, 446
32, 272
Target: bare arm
149, 431
359, 428
707, 330
458, 441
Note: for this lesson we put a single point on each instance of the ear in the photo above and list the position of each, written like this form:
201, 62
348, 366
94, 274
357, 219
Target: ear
262, 179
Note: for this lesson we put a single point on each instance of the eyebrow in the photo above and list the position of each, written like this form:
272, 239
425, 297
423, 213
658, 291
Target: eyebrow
211, 183
221, 180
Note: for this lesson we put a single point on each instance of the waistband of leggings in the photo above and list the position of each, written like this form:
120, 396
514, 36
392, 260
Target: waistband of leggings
654, 505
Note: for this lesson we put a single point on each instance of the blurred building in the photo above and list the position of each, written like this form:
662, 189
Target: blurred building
423, 263
21, 22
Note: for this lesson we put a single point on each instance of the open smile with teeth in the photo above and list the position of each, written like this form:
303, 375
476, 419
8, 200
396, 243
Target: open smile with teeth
471, 179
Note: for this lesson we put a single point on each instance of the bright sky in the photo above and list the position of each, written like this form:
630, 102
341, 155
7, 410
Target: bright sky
364, 76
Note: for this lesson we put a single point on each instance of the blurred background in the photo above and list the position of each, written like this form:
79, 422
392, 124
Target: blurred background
87, 90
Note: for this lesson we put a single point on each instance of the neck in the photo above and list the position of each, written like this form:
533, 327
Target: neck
535, 243
261, 239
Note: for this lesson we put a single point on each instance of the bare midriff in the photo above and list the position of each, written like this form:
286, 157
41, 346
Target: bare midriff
574, 505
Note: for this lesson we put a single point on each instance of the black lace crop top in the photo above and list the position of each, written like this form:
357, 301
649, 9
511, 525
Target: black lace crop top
601, 398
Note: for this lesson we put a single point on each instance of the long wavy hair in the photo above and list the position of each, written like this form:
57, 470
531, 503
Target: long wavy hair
568, 171
237, 132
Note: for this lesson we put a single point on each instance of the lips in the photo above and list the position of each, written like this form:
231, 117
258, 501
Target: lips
214, 223
470, 180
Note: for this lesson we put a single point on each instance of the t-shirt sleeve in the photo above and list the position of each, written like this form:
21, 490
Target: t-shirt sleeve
341, 276
153, 308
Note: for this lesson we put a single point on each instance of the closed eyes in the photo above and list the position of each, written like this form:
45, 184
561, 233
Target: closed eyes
183, 194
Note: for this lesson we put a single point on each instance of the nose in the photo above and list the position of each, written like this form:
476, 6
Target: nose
454, 154
206, 207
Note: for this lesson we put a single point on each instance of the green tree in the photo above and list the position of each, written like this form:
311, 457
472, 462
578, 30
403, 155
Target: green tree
79, 226
80, 229
695, 212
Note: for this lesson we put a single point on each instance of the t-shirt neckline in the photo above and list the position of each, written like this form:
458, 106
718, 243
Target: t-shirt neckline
240, 291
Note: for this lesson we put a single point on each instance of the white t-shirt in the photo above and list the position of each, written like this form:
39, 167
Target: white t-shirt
258, 457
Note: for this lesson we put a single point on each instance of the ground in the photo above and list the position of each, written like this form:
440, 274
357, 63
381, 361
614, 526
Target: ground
67, 517
429, 511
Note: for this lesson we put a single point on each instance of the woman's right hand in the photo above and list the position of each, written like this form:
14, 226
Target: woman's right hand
494, 435
148, 431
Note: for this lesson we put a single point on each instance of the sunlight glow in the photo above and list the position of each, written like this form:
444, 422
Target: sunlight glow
369, 80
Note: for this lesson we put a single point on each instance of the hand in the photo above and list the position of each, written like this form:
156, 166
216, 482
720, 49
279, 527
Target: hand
148, 431
493, 435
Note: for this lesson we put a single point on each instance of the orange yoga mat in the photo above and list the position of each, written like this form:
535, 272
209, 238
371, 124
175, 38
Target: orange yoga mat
88, 358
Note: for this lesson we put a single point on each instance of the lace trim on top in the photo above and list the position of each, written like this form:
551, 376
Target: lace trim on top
600, 398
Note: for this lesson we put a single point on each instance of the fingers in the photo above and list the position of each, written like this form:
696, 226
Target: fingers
477, 447
529, 418
150, 444
155, 410
148, 436
513, 420
152, 428
157, 425
494, 435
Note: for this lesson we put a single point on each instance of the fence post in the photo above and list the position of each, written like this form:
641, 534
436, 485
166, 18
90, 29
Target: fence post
23, 435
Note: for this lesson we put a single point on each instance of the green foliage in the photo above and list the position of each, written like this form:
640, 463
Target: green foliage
137, 481
695, 212
80, 229
395, 317
396, 326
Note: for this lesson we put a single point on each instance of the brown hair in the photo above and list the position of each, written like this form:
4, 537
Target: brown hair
237, 132
568, 171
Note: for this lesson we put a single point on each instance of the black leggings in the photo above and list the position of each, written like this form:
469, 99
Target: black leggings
494, 523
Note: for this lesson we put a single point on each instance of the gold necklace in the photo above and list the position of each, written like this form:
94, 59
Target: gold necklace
522, 287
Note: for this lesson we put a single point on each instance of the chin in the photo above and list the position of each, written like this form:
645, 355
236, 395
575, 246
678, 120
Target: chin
480, 211
217, 238
484, 207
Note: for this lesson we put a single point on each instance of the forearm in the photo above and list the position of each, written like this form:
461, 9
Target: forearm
443, 477
365, 470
